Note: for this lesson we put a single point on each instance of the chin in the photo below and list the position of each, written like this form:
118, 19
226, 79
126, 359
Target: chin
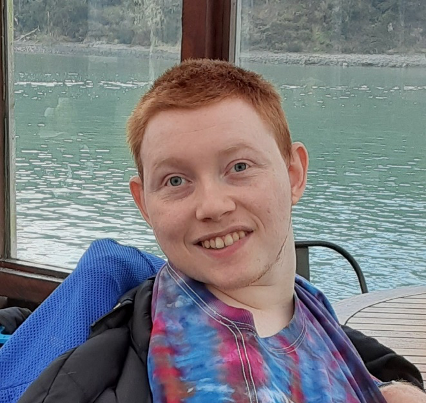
238, 282
229, 278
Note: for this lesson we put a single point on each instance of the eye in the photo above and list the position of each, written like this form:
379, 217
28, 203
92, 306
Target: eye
240, 167
175, 181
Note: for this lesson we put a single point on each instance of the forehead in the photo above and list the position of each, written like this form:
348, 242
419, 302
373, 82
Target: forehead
230, 120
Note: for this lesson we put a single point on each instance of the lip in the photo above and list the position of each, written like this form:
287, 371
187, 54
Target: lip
227, 252
223, 233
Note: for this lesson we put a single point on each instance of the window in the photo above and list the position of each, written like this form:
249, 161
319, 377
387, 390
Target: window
351, 74
352, 79
80, 67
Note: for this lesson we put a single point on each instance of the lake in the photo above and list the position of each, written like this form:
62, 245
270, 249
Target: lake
365, 129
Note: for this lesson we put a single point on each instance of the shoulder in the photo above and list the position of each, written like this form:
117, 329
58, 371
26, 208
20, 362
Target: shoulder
82, 373
312, 297
115, 350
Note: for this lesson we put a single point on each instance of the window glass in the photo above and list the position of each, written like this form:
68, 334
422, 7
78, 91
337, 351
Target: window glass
352, 79
80, 67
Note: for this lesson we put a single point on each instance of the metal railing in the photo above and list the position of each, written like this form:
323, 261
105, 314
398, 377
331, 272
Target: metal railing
302, 253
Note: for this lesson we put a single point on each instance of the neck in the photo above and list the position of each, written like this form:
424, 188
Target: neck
270, 299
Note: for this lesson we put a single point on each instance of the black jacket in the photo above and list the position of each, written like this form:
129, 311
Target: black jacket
111, 366
12, 317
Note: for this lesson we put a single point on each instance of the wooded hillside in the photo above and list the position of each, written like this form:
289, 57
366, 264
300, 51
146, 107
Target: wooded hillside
324, 26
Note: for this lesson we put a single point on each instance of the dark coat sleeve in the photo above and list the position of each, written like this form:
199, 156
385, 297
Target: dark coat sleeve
381, 361
82, 374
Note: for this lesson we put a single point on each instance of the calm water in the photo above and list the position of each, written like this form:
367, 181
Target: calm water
365, 129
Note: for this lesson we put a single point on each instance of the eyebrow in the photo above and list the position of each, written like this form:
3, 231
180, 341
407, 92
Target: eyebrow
169, 161
178, 162
237, 147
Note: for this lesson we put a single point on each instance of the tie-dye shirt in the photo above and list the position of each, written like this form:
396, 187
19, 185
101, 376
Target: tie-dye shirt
202, 350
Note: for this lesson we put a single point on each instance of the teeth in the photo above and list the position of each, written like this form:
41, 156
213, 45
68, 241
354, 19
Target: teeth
225, 241
219, 242
228, 240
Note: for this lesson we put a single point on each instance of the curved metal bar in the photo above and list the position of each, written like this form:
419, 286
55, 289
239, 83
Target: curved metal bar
342, 251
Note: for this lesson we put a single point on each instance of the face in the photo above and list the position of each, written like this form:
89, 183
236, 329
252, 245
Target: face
218, 194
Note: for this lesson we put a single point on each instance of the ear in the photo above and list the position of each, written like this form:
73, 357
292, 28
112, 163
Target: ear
298, 171
136, 188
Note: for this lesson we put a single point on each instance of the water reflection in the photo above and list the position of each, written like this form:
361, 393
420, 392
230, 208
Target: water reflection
364, 128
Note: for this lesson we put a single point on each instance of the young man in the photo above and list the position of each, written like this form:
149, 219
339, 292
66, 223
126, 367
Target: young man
218, 176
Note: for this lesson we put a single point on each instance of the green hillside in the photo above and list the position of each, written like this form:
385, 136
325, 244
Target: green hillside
324, 26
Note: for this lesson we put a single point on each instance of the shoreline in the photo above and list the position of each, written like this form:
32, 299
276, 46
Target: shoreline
304, 59
344, 60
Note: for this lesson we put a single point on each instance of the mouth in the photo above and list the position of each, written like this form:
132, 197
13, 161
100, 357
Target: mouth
220, 242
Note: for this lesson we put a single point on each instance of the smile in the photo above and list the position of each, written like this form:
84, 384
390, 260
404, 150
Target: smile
223, 241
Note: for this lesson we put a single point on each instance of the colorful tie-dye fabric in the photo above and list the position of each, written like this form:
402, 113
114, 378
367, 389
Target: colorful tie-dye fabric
202, 350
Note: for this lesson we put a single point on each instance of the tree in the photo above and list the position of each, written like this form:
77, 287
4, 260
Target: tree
348, 26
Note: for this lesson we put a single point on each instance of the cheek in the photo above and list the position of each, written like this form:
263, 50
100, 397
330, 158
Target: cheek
277, 205
279, 189
167, 223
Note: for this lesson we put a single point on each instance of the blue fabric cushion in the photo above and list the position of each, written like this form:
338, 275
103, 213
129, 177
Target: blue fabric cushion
104, 273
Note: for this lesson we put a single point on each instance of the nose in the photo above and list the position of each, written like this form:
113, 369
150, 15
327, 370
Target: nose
214, 201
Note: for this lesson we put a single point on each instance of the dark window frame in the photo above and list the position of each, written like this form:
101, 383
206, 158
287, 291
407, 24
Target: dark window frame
207, 28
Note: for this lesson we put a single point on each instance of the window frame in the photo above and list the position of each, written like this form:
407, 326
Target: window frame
208, 30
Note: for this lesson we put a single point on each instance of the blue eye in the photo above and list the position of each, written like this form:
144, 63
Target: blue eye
175, 181
240, 167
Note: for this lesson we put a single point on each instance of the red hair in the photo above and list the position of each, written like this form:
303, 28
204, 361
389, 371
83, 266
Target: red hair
200, 82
